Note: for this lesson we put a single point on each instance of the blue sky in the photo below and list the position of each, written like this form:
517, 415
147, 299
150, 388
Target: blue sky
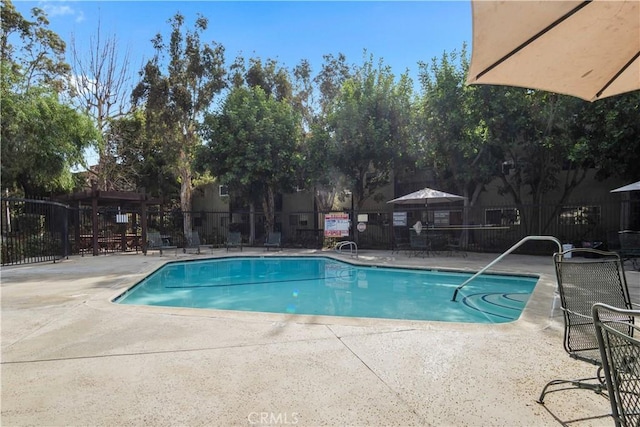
402, 33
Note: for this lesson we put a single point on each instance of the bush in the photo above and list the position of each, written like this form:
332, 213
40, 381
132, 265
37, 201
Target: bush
43, 245
12, 254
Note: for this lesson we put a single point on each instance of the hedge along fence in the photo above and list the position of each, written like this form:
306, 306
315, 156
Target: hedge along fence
33, 231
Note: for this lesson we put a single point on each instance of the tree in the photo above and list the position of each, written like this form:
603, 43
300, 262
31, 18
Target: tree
30, 49
102, 85
175, 100
140, 159
609, 132
42, 138
335, 71
311, 98
253, 146
270, 76
451, 129
529, 133
369, 123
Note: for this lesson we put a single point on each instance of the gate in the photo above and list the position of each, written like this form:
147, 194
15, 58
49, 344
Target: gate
33, 231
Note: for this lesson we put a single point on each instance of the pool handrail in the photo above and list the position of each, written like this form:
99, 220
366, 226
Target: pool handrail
507, 252
347, 243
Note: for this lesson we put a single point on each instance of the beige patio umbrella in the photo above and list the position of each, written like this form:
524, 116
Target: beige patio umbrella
587, 49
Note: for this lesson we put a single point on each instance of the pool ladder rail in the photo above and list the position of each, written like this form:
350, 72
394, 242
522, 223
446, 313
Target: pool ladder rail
353, 247
507, 252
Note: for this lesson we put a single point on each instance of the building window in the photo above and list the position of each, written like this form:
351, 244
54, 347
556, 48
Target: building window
502, 217
579, 215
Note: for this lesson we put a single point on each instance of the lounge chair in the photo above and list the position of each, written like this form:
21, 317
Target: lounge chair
194, 243
274, 240
582, 282
620, 355
155, 241
234, 240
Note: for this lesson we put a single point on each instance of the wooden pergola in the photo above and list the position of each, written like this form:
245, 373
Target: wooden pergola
101, 198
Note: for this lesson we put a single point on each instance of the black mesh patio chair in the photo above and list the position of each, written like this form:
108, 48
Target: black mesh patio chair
620, 355
234, 240
274, 240
156, 241
418, 244
585, 277
194, 243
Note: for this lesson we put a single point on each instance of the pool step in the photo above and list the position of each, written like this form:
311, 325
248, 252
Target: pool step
499, 306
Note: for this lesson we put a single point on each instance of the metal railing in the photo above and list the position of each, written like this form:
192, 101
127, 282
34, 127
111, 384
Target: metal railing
33, 231
495, 261
352, 246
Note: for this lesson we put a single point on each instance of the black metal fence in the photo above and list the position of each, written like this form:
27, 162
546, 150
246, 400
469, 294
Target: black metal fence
487, 228
38, 230
33, 231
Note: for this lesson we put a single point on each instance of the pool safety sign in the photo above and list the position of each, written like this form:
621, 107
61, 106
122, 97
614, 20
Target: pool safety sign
399, 219
336, 224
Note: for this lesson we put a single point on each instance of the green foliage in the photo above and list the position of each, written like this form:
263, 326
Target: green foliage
137, 159
176, 94
369, 125
452, 128
607, 133
253, 145
335, 71
31, 50
41, 140
12, 253
15, 250
271, 77
313, 98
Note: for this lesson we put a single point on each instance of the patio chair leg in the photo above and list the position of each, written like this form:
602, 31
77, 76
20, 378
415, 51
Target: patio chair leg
598, 388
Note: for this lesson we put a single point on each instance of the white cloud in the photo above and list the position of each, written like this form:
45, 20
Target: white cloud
54, 9
58, 10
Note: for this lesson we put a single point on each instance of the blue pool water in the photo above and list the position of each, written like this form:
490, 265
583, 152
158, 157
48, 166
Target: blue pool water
324, 286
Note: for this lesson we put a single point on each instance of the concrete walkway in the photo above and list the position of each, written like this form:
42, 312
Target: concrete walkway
71, 357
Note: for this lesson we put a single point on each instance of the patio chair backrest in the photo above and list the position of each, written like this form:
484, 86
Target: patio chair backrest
582, 282
235, 238
620, 354
154, 239
418, 241
274, 238
193, 239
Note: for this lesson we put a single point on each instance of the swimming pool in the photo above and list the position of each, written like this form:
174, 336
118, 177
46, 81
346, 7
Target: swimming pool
325, 286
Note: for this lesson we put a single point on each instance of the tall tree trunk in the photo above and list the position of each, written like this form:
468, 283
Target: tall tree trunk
268, 205
252, 223
185, 193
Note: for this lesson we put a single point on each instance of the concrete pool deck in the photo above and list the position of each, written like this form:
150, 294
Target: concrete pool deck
71, 357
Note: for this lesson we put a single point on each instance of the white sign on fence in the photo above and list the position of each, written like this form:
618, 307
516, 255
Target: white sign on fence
336, 224
399, 219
